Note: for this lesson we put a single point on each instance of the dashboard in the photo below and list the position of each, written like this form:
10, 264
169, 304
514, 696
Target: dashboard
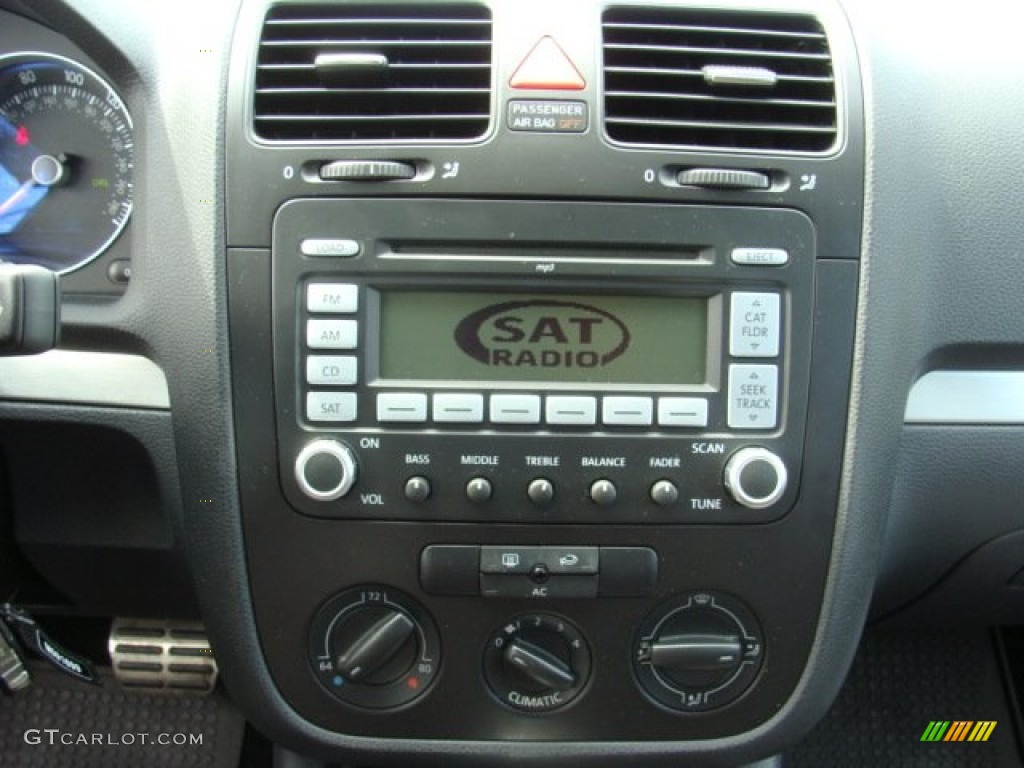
516, 381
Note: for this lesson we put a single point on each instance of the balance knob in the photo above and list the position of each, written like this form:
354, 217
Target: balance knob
325, 470
755, 477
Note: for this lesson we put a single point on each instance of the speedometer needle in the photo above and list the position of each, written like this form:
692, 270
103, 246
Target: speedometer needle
17, 196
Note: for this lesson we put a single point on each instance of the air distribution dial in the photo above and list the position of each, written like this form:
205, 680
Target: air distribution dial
537, 663
699, 653
374, 647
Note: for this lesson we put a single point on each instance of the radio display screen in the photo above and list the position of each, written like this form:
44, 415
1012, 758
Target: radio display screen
557, 338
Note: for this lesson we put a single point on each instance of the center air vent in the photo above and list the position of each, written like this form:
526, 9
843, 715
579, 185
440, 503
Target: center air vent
726, 80
383, 72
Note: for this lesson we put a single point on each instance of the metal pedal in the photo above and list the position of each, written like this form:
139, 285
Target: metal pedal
162, 655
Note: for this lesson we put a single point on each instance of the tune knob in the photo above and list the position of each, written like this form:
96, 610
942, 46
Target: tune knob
325, 470
698, 654
374, 647
755, 477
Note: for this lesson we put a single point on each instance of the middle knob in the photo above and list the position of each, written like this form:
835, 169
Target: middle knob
537, 663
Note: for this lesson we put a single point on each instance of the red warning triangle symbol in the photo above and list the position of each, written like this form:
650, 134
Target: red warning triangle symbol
547, 68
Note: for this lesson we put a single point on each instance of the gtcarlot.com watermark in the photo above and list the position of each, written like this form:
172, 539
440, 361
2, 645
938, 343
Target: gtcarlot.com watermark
55, 736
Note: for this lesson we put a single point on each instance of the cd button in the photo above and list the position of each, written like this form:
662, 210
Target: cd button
571, 411
331, 370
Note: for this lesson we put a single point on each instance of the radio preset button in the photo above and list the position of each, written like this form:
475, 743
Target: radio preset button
458, 407
515, 409
759, 257
332, 334
332, 298
627, 411
417, 489
325, 246
331, 406
541, 491
664, 493
571, 410
753, 396
754, 325
479, 490
331, 370
402, 406
603, 492
682, 412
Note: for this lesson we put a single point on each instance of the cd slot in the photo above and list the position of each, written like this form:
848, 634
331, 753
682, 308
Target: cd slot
604, 252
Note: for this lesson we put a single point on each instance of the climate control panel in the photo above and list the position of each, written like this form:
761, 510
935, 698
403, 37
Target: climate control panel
376, 648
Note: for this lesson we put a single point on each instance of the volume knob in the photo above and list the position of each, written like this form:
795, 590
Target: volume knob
325, 470
755, 477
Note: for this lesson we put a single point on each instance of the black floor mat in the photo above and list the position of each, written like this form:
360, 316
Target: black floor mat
62, 723
900, 682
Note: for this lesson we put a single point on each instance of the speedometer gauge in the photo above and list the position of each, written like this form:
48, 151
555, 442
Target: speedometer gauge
66, 157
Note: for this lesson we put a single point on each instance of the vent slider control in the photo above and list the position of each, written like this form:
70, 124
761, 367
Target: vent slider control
367, 170
723, 178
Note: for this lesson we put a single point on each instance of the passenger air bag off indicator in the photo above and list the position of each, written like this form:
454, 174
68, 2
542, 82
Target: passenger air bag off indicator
547, 68
548, 115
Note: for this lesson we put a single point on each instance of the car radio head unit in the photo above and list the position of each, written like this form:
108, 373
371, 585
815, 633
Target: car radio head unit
497, 370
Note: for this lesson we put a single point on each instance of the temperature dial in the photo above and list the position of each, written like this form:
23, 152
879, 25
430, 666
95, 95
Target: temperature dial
537, 663
374, 647
699, 654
